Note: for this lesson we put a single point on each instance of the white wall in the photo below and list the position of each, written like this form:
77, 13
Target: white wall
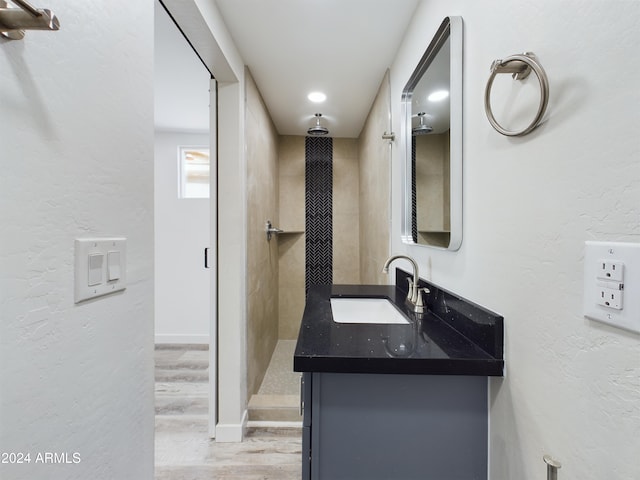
571, 387
182, 284
76, 152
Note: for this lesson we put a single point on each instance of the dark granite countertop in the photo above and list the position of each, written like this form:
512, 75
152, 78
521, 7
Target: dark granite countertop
460, 338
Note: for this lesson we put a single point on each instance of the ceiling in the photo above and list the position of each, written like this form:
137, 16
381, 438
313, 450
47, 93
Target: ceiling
294, 47
339, 47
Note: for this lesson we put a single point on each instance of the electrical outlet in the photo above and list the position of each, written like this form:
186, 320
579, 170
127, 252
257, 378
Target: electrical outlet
608, 297
612, 284
611, 270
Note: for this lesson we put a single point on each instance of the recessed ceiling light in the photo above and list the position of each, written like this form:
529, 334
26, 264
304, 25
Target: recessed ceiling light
438, 95
317, 97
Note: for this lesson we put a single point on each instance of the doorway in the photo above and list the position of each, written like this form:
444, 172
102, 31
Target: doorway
185, 225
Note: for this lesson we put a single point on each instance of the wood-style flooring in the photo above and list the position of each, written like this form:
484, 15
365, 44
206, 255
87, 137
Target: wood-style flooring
183, 450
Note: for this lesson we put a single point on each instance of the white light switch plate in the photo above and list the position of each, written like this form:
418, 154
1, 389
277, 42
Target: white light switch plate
612, 284
89, 282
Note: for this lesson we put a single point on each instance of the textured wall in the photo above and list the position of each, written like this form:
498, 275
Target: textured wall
374, 177
262, 256
182, 284
571, 387
77, 160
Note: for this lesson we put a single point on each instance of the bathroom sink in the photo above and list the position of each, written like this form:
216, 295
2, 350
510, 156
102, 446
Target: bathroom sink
366, 310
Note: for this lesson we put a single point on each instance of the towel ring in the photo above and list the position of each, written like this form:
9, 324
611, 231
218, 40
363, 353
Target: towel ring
520, 66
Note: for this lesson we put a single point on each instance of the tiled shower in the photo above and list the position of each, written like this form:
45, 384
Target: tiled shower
330, 196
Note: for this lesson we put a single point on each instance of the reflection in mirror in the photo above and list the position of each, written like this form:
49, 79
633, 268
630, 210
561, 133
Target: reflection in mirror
432, 102
431, 212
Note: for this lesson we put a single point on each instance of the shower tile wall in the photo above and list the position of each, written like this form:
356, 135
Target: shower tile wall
318, 211
291, 179
291, 278
262, 143
374, 164
361, 219
346, 211
432, 174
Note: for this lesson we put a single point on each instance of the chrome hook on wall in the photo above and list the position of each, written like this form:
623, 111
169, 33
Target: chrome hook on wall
14, 21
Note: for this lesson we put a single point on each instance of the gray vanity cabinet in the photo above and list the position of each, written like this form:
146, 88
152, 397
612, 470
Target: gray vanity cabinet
376, 411
394, 427
306, 425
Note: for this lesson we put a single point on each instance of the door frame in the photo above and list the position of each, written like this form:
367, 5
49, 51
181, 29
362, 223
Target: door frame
213, 262
203, 26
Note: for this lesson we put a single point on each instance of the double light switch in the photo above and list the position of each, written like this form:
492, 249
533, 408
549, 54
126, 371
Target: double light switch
99, 266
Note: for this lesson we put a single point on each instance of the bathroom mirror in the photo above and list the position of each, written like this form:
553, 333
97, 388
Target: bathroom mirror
432, 131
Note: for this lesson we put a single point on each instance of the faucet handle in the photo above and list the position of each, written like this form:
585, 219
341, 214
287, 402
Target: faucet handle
419, 304
410, 291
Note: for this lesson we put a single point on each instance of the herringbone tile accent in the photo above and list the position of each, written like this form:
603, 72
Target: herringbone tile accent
414, 203
318, 211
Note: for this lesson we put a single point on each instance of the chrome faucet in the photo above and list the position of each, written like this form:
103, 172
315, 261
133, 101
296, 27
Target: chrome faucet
415, 293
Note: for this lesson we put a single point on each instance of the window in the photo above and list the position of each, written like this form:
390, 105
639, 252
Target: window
194, 172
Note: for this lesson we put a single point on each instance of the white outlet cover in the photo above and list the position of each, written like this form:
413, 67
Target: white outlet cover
92, 247
628, 254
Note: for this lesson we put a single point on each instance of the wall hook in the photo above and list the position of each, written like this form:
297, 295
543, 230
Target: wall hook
14, 21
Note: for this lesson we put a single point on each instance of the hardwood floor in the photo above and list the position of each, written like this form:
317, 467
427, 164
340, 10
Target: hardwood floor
183, 450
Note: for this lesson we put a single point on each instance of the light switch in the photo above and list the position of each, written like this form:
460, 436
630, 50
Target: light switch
100, 267
95, 269
113, 266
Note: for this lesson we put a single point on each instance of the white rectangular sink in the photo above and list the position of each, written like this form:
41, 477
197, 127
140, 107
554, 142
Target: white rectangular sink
366, 310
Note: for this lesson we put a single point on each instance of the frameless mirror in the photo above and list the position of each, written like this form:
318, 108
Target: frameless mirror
432, 130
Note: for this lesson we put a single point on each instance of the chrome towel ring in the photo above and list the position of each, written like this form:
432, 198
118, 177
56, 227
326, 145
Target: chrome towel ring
520, 66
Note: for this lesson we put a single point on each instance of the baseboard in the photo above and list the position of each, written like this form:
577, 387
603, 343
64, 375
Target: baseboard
183, 339
232, 432
270, 424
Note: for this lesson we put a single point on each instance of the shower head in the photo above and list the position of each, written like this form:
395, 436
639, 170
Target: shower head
318, 129
421, 129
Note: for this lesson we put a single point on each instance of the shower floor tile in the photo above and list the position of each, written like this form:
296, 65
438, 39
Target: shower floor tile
280, 379
278, 398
